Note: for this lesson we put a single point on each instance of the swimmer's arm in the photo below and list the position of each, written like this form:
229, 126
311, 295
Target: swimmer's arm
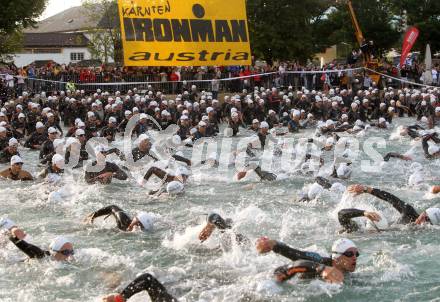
426, 147
394, 155
345, 216
408, 212
27, 177
325, 183
307, 268
293, 254
416, 127
106, 211
147, 282
265, 175
118, 173
30, 250
90, 177
182, 159
117, 152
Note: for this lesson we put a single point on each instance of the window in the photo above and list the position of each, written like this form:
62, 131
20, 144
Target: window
76, 56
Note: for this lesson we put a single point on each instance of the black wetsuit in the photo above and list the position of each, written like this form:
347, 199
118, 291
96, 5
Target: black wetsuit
147, 282
122, 219
5, 156
138, 154
264, 175
310, 265
36, 139
294, 254
92, 177
30, 250
425, 145
325, 183
392, 155
345, 216
409, 214
306, 269
47, 151
412, 131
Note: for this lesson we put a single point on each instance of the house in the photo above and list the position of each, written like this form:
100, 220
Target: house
63, 38
62, 48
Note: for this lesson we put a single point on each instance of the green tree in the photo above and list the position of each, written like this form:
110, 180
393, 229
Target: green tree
375, 19
16, 15
286, 29
105, 39
423, 14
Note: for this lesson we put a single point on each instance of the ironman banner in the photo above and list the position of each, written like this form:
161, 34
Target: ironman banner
184, 32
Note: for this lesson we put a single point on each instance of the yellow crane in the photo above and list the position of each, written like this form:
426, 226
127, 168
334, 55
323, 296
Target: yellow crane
373, 64
358, 31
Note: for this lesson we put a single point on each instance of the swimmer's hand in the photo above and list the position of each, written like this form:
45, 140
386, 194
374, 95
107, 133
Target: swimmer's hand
435, 189
17, 233
206, 232
357, 189
113, 298
89, 219
105, 178
241, 175
332, 275
372, 216
265, 245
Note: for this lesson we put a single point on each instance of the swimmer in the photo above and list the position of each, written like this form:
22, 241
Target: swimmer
312, 265
215, 221
408, 213
181, 174
11, 150
144, 282
349, 226
123, 220
108, 172
15, 171
60, 249
55, 170
264, 175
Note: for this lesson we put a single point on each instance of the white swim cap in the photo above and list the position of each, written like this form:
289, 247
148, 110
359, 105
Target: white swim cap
175, 187
58, 243
146, 220
434, 215
343, 171
264, 125
79, 132
341, 246
433, 149
39, 125
13, 142
16, 160
58, 161
314, 190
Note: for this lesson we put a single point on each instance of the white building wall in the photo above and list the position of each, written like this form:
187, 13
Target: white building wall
24, 59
